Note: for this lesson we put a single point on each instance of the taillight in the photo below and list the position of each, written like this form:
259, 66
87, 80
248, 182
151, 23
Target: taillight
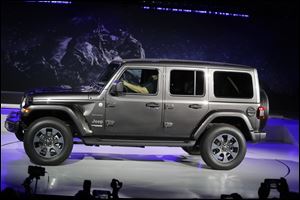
260, 112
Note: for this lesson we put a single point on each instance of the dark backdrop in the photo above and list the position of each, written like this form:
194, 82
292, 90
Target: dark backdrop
55, 44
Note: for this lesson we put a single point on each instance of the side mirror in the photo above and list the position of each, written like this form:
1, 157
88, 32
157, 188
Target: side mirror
117, 89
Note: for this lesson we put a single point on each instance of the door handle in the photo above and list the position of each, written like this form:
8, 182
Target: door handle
110, 105
195, 106
152, 105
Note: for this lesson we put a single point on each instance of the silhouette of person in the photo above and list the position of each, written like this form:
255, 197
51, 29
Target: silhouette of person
86, 192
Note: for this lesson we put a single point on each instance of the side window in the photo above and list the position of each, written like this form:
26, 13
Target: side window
182, 82
140, 81
233, 85
199, 83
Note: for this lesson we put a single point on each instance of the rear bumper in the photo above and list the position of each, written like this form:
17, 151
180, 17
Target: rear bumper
12, 122
258, 136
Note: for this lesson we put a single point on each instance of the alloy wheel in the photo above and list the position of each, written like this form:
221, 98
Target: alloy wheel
225, 148
48, 142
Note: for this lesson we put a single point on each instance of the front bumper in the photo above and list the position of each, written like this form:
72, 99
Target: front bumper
12, 122
258, 136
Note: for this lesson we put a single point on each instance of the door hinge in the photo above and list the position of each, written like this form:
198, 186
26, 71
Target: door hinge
168, 124
109, 123
169, 106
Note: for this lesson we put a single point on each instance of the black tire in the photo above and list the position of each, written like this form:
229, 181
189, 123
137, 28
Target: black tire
36, 128
19, 135
194, 150
212, 134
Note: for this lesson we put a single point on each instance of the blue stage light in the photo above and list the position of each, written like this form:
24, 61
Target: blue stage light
205, 12
51, 2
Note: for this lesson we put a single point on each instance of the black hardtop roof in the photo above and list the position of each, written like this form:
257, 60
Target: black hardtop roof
181, 62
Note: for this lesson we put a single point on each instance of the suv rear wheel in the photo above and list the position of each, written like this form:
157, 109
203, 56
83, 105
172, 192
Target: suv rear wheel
48, 141
223, 147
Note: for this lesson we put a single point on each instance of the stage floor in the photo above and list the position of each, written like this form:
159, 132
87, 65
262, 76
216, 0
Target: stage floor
152, 172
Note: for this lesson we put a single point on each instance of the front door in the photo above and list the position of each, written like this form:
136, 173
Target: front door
138, 111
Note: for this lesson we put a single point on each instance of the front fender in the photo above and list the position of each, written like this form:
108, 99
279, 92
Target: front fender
75, 115
213, 116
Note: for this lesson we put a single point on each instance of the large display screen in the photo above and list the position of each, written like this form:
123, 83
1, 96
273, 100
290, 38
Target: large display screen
46, 44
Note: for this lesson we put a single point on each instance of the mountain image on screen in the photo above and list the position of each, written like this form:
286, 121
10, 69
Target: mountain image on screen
76, 59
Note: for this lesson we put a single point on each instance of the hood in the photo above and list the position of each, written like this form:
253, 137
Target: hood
63, 90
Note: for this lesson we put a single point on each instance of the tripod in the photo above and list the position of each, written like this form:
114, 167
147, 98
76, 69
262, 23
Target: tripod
27, 182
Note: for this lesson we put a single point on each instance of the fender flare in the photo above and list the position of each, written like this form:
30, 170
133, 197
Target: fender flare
77, 118
213, 116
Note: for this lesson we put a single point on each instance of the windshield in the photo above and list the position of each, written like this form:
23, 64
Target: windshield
109, 71
103, 78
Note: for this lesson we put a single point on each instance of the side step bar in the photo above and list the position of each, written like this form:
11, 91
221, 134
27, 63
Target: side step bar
139, 143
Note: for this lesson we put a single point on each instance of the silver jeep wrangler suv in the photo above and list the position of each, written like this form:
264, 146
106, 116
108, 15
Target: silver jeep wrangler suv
208, 109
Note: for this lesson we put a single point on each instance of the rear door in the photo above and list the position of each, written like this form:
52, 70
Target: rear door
138, 112
185, 102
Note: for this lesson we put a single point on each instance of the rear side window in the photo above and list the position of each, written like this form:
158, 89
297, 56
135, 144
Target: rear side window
187, 82
233, 85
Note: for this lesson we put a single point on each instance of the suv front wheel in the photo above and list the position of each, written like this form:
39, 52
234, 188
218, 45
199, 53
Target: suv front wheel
48, 141
223, 147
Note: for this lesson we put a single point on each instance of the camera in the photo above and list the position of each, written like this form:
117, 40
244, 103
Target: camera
101, 194
35, 171
231, 196
273, 183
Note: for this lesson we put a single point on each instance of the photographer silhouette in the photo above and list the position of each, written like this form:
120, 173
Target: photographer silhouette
86, 192
116, 186
280, 185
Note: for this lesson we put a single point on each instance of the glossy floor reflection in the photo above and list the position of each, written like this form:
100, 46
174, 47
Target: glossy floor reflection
152, 172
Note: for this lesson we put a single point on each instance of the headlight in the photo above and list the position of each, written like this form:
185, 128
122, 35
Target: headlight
26, 101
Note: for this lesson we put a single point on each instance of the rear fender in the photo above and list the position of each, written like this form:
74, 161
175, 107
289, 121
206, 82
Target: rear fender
215, 115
